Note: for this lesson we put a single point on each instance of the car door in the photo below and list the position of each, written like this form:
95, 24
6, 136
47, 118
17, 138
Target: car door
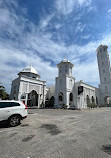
5, 108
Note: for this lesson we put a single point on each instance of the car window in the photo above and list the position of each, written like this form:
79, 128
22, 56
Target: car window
15, 104
8, 104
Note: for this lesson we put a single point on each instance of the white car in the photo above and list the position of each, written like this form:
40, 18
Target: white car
12, 111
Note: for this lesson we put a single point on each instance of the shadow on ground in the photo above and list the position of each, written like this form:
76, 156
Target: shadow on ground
4, 124
107, 149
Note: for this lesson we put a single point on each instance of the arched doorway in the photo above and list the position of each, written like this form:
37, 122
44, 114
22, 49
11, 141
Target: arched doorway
70, 98
32, 98
60, 98
106, 100
88, 99
93, 101
96, 100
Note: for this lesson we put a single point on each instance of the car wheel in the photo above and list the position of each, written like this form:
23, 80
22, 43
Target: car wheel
14, 120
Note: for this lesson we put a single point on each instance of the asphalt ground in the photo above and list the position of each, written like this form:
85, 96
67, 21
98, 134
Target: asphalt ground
57, 133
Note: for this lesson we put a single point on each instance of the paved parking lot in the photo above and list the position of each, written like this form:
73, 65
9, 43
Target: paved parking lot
54, 133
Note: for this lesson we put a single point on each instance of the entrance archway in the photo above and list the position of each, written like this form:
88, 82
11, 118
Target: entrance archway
32, 98
93, 101
96, 100
60, 98
70, 97
106, 100
88, 99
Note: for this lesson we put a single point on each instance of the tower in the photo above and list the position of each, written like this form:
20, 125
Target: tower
104, 74
64, 84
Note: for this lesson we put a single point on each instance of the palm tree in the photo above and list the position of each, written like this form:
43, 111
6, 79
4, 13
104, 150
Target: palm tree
3, 94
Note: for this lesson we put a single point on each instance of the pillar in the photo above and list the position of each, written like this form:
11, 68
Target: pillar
38, 100
26, 99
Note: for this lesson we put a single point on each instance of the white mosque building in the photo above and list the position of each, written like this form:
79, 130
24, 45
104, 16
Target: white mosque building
29, 88
71, 93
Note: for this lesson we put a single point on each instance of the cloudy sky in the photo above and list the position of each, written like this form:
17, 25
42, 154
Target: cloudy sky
43, 32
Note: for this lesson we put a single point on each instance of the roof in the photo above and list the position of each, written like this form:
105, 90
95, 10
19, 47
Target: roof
86, 84
101, 46
65, 61
29, 69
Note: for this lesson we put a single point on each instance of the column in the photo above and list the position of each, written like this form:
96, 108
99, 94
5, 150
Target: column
38, 100
26, 99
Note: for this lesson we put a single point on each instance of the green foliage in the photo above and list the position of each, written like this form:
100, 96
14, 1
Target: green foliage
64, 106
50, 103
92, 105
3, 94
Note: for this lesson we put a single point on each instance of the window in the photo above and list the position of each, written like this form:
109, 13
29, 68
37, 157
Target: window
104, 78
15, 104
8, 104
103, 71
101, 56
60, 81
65, 70
70, 83
100, 50
70, 71
104, 48
102, 63
60, 70
23, 96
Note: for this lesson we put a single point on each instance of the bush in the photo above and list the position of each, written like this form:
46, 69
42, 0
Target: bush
92, 105
64, 106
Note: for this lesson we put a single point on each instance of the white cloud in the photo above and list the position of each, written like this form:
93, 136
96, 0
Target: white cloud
38, 44
109, 11
67, 6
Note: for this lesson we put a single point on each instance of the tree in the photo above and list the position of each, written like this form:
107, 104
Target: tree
50, 103
3, 94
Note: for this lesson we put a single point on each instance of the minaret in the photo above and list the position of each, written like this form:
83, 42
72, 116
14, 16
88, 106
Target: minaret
103, 64
104, 73
64, 84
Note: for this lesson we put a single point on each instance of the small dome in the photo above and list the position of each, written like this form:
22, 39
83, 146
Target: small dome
65, 60
30, 69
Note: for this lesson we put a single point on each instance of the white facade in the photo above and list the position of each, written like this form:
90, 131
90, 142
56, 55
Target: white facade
104, 73
90, 94
66, 89
29, 88
64, 84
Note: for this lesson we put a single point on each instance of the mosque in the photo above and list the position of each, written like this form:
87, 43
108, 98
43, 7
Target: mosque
33, 92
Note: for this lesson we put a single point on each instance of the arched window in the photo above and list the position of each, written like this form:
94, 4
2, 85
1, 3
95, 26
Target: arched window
71, 97
60, 82
70, 83
60, 97
103, 71
104, 79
